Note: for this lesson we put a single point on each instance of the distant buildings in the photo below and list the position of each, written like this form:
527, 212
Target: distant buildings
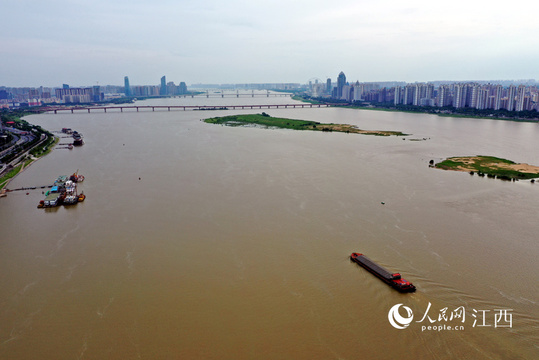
474, 95
79, 95
25, 97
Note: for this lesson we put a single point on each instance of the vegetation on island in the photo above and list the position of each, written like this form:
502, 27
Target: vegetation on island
265, 120
490, 166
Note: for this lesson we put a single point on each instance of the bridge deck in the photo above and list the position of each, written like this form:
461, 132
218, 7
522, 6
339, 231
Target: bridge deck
182, 107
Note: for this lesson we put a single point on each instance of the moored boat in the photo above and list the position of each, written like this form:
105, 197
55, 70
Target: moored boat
77, 139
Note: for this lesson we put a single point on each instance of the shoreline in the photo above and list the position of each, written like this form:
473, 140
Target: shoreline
418, 111
490, 166
294, 124
27, 160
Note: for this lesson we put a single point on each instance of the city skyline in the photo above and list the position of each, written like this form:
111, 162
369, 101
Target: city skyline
84, 44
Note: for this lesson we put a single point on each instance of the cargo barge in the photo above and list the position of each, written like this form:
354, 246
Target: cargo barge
393, 279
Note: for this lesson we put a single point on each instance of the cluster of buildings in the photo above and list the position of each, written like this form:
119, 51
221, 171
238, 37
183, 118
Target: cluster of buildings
11, 97
474, 95
163, 89
471, 95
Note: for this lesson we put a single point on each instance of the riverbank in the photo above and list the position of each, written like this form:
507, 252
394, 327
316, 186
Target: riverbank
267, 121
26, 154
448, 111
490, 166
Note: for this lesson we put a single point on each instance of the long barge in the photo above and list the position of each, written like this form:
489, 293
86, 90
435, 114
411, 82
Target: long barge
392, 279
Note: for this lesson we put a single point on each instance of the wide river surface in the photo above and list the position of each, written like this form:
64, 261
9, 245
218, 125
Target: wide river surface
200, 241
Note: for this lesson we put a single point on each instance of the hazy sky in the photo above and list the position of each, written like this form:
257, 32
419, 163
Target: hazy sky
50, 42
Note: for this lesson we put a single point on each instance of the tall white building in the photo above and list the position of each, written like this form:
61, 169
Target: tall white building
459, 99
444, 95
398, 95
511, 92
519, 106
498, 97
408, 95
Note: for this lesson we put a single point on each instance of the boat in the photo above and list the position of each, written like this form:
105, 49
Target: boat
393, 279
71, 199
77, 138
76, 177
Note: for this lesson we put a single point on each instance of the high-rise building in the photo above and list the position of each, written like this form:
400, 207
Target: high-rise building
182, 88
127, 87
519, 106
459, 100
163, 89
472, 95
498, 97
482, 101
398, 96
346, 93
409, 91
97, 95
328, 86
356, 92
74, 95
511, 92
417, 94
341, 81
444, 96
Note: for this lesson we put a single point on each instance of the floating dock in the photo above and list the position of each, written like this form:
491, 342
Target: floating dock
63, 192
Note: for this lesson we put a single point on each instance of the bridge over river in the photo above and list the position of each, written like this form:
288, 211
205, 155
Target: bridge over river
138, 108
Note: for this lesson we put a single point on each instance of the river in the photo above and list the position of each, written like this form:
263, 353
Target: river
200, 241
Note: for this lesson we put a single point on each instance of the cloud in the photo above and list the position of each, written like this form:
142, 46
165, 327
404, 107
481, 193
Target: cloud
249, 41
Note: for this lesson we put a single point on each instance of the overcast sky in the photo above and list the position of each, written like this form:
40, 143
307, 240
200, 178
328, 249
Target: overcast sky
82, 43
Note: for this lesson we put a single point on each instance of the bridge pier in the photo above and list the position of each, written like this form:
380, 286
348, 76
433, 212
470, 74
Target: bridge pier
137, 108
88, 110
121, 109
105, 109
